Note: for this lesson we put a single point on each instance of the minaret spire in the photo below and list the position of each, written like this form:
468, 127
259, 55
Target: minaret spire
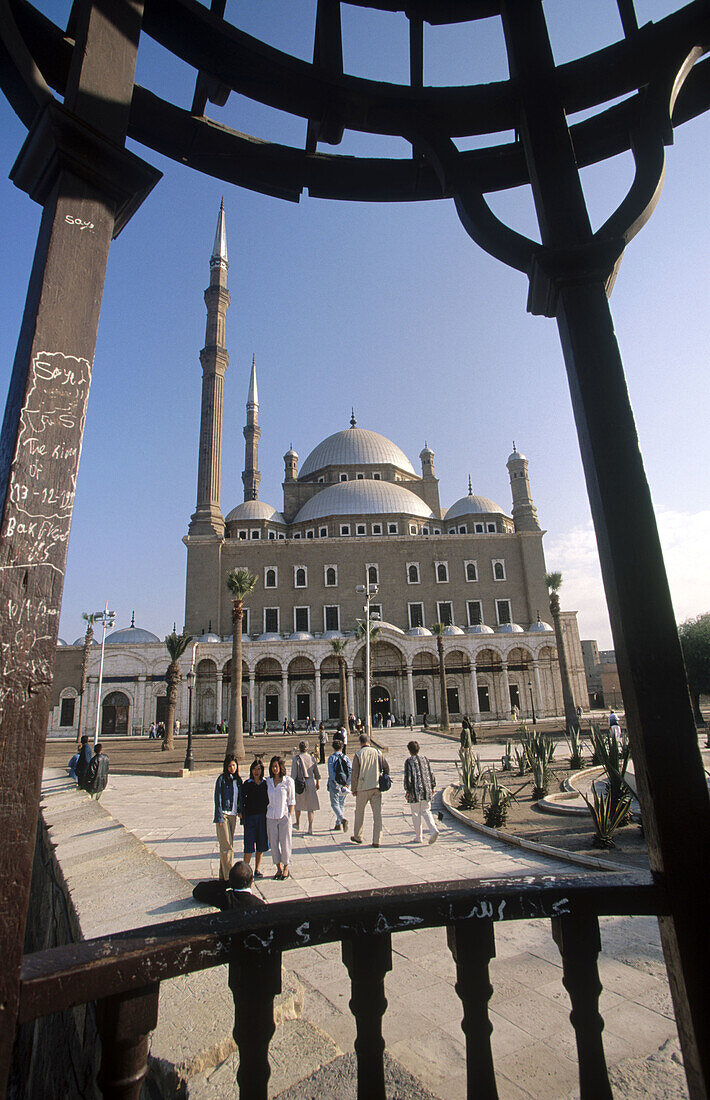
207, 518
252, 432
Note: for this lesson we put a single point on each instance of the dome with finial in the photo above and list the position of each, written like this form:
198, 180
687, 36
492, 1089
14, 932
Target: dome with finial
472, 504
426, 451
358, 447
131, 635
516, 455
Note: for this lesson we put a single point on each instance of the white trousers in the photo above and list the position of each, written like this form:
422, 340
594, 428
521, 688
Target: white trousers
421, 814
279, 833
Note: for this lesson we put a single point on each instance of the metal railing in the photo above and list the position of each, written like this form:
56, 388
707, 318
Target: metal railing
122, 972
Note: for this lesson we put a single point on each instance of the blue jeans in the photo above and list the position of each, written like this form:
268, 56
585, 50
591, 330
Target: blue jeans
337, 801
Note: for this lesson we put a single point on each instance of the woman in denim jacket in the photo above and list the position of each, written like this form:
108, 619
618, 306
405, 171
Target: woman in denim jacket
227, 807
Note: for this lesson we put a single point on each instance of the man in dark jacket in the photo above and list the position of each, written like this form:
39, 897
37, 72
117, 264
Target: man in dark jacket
235, 893
82, 765
96, 776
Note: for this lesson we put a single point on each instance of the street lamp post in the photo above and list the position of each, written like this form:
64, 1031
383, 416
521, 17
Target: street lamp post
532, 704
107, 619
189, 760
368, 591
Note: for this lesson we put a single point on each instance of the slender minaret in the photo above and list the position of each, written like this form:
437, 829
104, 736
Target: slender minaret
251, 476
214, 358
524, 511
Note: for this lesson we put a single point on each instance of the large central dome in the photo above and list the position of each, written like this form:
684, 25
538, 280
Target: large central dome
355, 447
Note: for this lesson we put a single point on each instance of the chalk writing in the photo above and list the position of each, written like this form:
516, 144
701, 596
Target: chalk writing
71, 220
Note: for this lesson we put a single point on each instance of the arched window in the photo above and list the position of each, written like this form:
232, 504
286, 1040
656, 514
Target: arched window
498, 571
372, 575
442, 572
301, 577
331, 577
413, 574
270, 578
471, 574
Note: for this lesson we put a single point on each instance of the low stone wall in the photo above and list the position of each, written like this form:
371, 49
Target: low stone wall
92, 877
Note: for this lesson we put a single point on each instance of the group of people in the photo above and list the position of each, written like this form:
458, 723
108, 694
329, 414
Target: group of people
90, 768
270, 807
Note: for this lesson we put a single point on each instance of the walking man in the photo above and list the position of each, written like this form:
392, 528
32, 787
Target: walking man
339, 772
368, 762
321, 743
96, 776
419, 786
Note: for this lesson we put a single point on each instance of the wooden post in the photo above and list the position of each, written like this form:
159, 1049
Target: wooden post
368, 958
254, 979
473, 946
74, 164
569, 281
125, 1022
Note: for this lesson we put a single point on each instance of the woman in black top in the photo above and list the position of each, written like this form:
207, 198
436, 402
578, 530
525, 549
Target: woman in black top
255, 802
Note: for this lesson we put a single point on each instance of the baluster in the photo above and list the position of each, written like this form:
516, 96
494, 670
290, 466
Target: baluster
579, 943
368, 959
254, 979
125, 1021
473, 947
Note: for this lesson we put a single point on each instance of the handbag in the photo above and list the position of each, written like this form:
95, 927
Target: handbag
300, 783
385, 780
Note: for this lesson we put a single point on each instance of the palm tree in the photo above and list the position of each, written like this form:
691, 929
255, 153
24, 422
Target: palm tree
89, 618
554, 582
338, 646
176, 644
240, 583
438, 630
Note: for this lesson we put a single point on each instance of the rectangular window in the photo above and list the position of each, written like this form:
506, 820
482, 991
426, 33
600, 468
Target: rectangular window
271, 708
323, 533
334, 705
416, 614
475, 612
452, 698
412, 528
360, 529
446, 613
377, 476
343, 477
272, 534
462, 529
377, 528
303, 707
437, 530
425, 531
478, 528
271, 620
491, 528
301, 619
484, 699
256, 534
282, 536
373, 573
66, 717
332, 618
344, 528
245, 620
309, 534
514, 691
391, 528
503, 611
243, 534
376, 611
360, 477
421, 701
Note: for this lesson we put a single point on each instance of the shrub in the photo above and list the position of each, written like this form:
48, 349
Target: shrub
576, 746
607, 816
469, 769
495, 813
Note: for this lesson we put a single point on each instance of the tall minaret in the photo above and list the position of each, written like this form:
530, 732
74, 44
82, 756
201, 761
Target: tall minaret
251, 476
524, 511
214, 358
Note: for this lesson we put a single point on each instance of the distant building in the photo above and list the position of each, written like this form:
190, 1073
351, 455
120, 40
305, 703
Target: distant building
357, 510
602, 675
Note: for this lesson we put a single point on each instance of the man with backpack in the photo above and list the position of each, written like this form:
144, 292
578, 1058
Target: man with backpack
339, 772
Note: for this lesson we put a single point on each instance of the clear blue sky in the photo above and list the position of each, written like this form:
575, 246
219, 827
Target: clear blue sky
388, 308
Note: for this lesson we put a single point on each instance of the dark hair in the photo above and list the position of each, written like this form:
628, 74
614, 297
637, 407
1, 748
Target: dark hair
364, 739
337, 744
282, 766
413, 747
303, 746
98, 747
228, 760
241, 875
84, 739
256, 764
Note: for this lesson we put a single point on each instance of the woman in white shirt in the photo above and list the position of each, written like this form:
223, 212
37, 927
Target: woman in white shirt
282, 799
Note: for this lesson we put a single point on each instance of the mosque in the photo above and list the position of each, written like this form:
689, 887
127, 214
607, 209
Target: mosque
356, 513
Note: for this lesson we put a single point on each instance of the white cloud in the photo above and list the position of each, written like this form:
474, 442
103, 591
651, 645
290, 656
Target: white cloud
685, 538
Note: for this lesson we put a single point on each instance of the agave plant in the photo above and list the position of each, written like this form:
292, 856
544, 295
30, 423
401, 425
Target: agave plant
607, 816
614, 758
521, 758
506, 760
576, 748
495, 813
541, 779
469, 770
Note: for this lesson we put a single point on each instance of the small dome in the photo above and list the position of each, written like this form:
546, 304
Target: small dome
516, 456
364, 497
300, 636
426, 452
254, 510
387, 626
479, 628
453, 629
290, 453
80, 641
472, 505
355, 447
131, 635
270, 636
540, 628
331, 634
60, 641
419, 632
209, 637
509, 628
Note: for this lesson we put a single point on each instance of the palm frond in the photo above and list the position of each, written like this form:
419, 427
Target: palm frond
240, 583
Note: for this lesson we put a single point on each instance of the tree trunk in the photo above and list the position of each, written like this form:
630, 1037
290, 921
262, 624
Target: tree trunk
444, 724
571, 718
697, 713
173, 678
235, 739
343, 691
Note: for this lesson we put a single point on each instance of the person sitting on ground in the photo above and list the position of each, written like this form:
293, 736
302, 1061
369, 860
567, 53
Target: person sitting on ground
339, 772
96, 776
235, 893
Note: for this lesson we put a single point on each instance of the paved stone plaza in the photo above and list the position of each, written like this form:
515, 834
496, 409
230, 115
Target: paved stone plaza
532, 1038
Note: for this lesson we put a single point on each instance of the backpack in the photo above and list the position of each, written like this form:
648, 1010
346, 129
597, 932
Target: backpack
341, 771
